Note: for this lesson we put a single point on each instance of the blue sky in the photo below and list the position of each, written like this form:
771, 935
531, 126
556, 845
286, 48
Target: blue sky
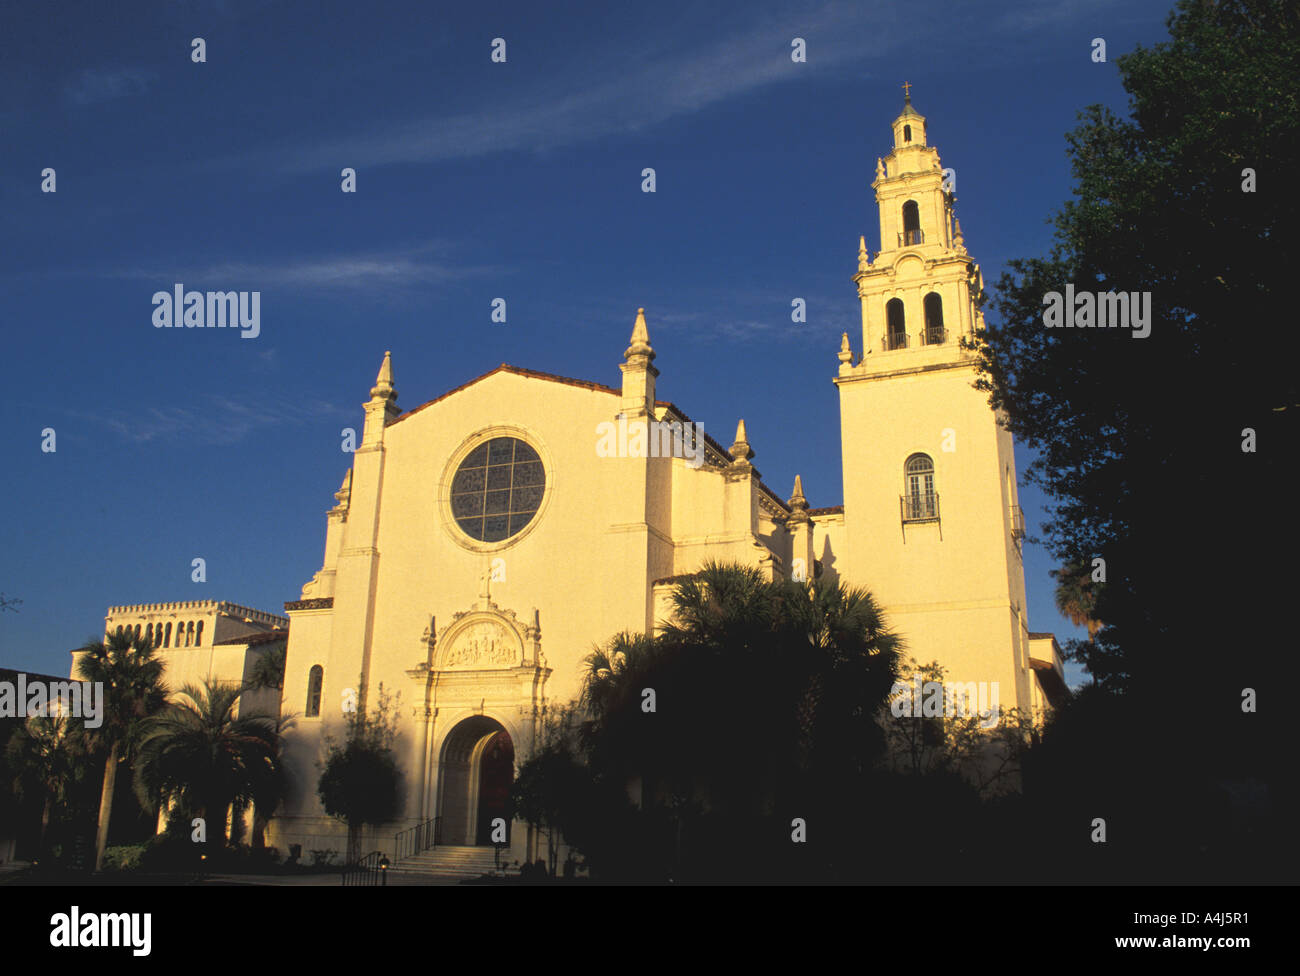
475, 180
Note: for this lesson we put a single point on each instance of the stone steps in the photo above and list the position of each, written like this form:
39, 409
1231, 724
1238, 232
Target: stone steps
449, 864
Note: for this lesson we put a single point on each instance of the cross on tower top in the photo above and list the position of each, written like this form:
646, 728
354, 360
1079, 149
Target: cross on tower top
907, 91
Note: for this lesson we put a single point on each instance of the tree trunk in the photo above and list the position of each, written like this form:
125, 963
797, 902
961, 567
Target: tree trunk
354, 843
258, 839
105, 807
45, 825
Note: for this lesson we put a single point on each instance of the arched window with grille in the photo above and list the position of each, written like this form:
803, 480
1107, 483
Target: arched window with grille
896, 326
315, 681
911, 224
934, 332
198, 634
920, 500
189, 634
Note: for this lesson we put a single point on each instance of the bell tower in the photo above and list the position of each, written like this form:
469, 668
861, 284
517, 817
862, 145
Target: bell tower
932, 519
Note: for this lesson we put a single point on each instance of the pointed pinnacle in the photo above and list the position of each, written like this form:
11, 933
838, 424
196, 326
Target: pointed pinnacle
797, 501
640, 344
740, 450
384, 381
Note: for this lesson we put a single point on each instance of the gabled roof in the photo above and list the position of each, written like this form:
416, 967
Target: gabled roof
595, 388
517, 371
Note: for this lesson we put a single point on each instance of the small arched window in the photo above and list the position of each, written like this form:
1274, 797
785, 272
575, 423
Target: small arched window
920, 500
198, 634
167, 635
315, 681
912, 224
896, 334
934, 333
148, 633
189, 634
907, 133
137, 633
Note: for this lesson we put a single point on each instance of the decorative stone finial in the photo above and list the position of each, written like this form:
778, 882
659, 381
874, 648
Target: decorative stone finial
344, 495
640, 345
383, 388
797, 500
846, 351
958, 241
740, 450
880, 168
864, 256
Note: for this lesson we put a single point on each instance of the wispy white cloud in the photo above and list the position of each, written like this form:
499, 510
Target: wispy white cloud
217, 419
96, 85
662, 81
763, 326
642, 90
412, 266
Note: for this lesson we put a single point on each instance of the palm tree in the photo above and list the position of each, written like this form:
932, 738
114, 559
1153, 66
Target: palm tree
45, 754
814, 659
268, 671
198, 752
1075, 597
850, 661
131, 676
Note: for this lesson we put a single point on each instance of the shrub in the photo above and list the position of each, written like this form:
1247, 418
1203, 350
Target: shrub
125, 858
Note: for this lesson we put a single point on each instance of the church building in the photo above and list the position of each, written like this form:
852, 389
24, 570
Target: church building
483, 542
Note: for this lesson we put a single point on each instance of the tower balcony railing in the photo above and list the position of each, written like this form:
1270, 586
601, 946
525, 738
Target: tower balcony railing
935, 337
920, 507
895, 340
1017, 523
909, 237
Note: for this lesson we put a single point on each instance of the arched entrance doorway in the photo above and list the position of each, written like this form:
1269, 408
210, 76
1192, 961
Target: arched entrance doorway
475, 775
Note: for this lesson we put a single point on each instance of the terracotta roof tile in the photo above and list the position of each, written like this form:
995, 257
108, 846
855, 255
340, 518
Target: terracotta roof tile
267, 637
318, 603
832, 510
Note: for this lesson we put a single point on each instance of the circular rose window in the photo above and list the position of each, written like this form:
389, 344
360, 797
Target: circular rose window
497, 489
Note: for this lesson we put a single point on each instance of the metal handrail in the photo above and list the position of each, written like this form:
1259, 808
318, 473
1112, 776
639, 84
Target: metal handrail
418, 839
910, 237
895, 340
365, 873
935, 337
